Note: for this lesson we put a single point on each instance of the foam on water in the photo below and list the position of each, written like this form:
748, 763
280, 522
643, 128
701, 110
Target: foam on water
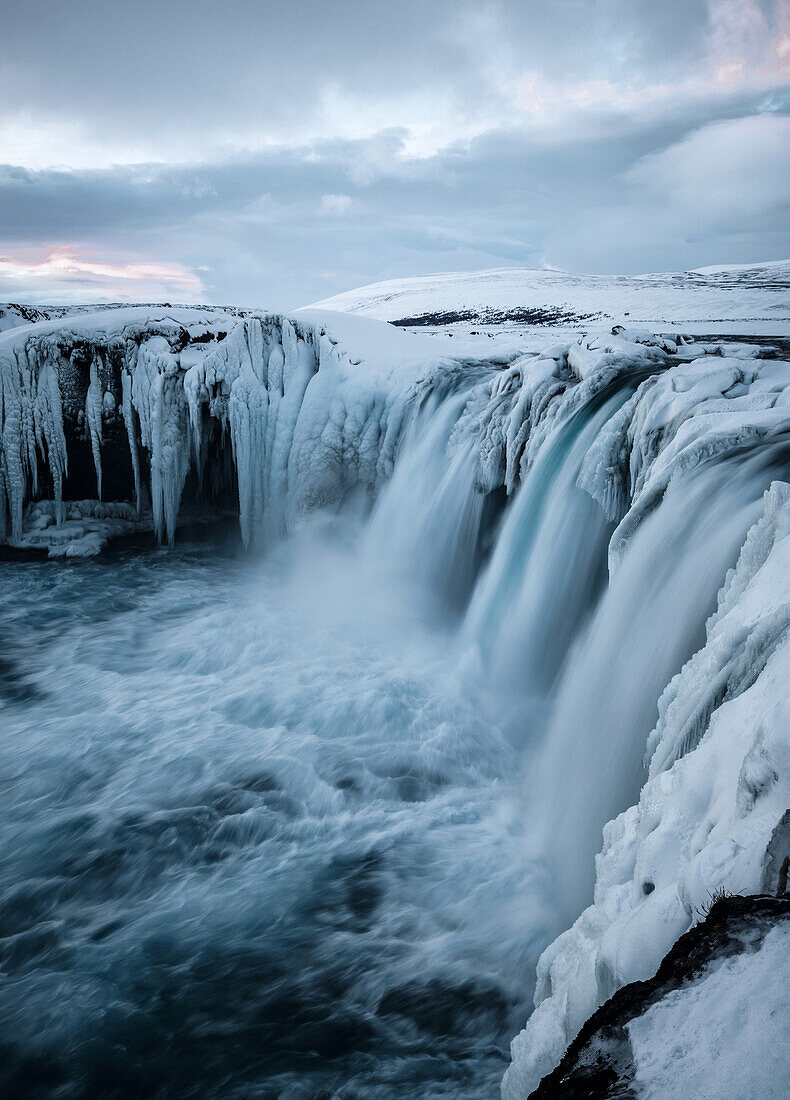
255, 830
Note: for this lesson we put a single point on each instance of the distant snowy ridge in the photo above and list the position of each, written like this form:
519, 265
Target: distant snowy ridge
708, 299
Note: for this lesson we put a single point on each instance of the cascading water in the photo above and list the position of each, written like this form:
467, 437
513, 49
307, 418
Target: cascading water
548, 565
647, 623
304, 821
428, 524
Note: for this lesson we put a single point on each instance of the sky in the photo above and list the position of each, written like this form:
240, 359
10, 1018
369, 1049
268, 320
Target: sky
270, 154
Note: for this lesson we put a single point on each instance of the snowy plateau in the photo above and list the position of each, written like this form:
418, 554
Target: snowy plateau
591, 478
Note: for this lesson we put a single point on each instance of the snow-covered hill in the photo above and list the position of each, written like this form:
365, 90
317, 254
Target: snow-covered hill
731, 298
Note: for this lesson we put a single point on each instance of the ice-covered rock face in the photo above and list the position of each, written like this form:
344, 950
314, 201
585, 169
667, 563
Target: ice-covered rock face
263, 407
285, 417
129, 405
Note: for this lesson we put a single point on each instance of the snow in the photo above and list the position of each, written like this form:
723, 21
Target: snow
749, 298
724, 1035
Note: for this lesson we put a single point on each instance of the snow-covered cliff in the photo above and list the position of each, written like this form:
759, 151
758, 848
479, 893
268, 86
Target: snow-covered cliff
711, 1023
304, 418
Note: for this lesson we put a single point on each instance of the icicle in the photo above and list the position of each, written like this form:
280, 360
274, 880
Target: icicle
14, 444
93, 418
127, 411
48, 414
170, 447
3, 504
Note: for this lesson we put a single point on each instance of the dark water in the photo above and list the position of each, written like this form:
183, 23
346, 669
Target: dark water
258, 833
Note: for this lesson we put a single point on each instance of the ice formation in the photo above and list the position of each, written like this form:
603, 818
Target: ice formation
588, 438
301, 419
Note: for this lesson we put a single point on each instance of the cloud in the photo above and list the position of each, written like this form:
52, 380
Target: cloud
441, 73
726, 173
64, 269
719, 194
597, 134
335, 206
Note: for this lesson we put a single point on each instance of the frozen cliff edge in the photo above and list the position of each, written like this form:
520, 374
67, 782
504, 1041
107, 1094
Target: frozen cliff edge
275, 416
268, 414
259, 412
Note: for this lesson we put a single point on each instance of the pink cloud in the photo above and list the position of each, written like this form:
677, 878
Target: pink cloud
64, 266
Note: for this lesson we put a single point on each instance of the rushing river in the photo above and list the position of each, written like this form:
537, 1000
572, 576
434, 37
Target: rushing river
259, 832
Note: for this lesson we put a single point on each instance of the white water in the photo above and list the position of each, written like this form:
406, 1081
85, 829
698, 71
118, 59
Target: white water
546, 569
256, 830
305, 821
649, 621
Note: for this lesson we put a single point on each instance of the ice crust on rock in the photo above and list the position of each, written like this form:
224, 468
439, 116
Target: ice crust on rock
303, 419
84, 529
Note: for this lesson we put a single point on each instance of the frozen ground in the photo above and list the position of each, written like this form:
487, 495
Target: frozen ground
736, 299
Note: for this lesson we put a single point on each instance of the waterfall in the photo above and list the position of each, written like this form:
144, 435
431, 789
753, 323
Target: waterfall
548, 564
647, 623
483, 609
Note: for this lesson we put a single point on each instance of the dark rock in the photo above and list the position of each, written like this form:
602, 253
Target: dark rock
776, 861
599, 1062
